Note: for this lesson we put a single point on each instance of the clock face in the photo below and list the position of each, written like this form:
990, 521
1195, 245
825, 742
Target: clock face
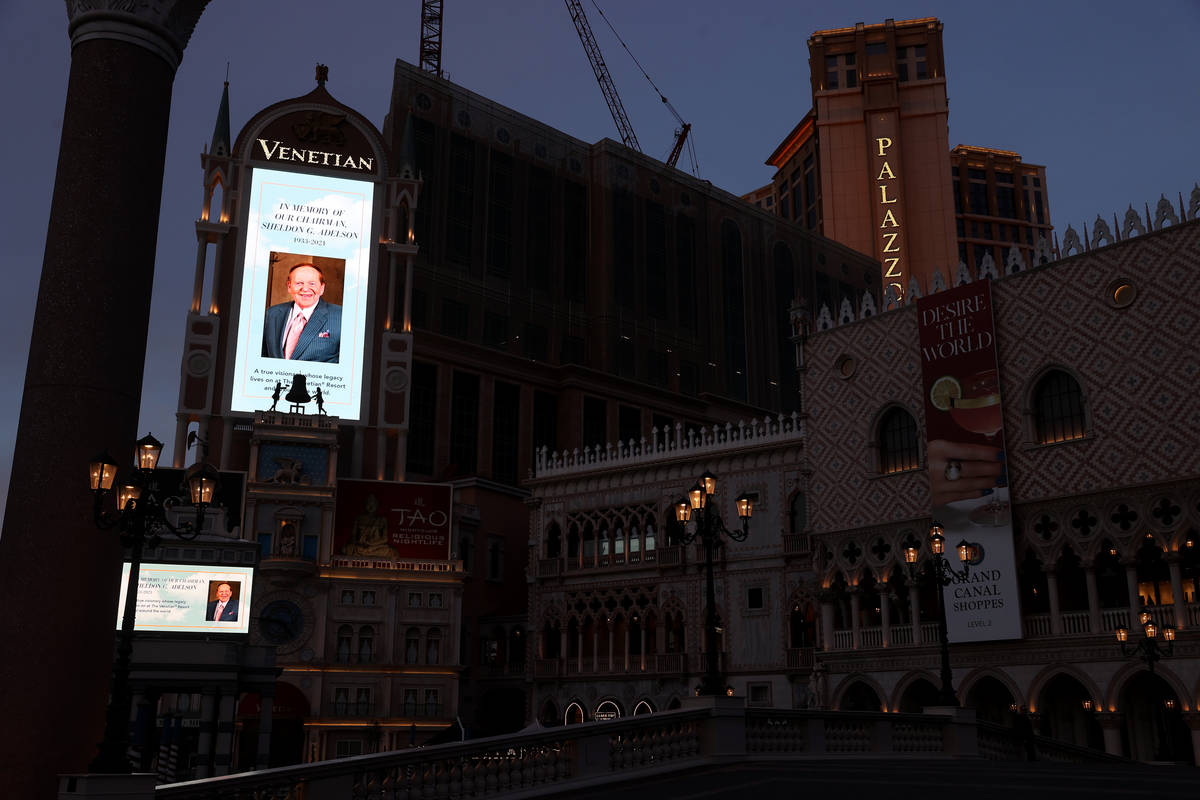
281, 622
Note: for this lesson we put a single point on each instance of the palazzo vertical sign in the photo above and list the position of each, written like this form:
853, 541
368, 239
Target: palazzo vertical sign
964, 424
891, 247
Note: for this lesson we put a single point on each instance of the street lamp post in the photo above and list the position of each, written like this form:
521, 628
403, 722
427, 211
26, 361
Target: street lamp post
1148, 648
699, 507
944, 574
140, 516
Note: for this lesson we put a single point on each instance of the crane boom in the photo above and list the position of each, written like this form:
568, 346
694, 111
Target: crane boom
431, 36
607, 87
680, 138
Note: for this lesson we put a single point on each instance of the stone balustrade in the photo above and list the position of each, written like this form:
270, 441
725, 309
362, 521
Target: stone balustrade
555, 760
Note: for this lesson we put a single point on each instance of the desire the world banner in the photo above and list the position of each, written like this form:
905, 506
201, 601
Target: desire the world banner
968, 476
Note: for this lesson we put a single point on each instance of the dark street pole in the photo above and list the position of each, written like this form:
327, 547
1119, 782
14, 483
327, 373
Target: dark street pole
698, 508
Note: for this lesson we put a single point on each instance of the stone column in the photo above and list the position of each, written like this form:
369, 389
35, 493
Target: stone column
356, 455
82, 392
226, 457
1177, 591
1055, 612
855, 609
1135, 603
827, 625
1110, 724
1095, 620
914, 611
885, 615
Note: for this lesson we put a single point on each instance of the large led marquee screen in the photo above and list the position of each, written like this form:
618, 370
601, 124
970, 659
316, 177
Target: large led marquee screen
190, 598
307, 253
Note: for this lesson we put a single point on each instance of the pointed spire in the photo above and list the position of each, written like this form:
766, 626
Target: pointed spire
220, 139
408, 150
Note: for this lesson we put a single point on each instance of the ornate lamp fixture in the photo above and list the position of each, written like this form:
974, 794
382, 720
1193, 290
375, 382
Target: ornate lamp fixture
700, 520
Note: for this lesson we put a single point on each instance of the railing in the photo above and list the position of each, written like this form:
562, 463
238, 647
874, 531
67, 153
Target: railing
1036, 625
671, 444
553, 567
349, 708
499, 670
1074, 622
670, 556
796, 543
398, 566
870, 637
559, 760
672, 663
419, 710
1113, 618
546, 668
800, 658
1163, 615
899, 634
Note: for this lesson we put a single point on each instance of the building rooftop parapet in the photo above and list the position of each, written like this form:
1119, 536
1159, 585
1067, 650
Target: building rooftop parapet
671, 443
408, 565
1165, 215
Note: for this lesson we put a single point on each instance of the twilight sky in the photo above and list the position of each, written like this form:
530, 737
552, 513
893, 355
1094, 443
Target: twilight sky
1104, 93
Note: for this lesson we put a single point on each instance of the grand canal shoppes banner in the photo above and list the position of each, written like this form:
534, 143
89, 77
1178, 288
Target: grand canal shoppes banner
964, 425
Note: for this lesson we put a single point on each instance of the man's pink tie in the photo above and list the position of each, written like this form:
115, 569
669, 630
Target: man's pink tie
293, 335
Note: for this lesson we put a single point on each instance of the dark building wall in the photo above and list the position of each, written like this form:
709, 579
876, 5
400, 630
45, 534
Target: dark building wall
584, 273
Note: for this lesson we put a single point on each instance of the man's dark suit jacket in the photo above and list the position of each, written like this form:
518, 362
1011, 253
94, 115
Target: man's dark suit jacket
320, 340
229, 614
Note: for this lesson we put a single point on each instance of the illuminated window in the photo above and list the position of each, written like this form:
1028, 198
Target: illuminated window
898, 449
1058, 409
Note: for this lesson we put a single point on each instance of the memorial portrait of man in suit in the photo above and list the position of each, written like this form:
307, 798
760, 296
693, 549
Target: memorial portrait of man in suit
305, 328
225, 607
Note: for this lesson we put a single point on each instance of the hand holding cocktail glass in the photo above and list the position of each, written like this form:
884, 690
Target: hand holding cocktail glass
961, 471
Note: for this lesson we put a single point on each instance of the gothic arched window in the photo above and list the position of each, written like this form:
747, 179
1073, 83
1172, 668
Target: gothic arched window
898, 450
1058, 408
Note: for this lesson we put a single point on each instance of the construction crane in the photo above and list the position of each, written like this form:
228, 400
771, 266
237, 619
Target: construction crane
431, 36
602, 77
609, 89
